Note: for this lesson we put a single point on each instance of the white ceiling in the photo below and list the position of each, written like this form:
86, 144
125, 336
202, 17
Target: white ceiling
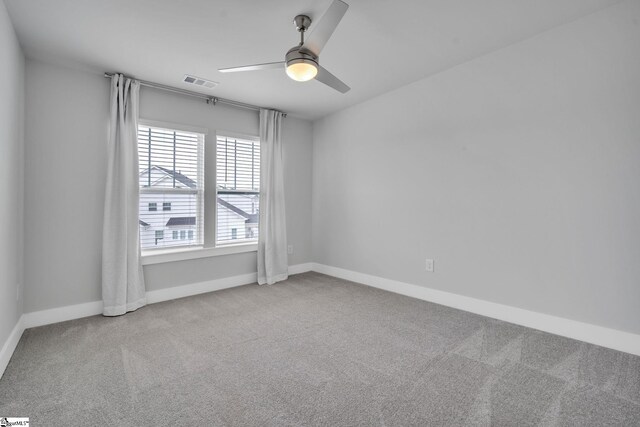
380, 44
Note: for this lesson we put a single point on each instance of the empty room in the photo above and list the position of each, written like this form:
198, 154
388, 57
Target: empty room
320, 212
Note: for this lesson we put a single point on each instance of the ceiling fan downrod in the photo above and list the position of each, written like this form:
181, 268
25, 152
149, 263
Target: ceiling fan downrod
302, 23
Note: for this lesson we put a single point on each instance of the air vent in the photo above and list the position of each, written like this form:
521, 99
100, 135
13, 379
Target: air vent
199, 81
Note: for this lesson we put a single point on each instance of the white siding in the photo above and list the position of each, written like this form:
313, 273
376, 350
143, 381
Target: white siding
158, 219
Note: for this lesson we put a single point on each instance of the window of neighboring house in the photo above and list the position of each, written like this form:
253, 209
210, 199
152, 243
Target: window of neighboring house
238, 189
190, 234
159, 235
171, 168
183, 234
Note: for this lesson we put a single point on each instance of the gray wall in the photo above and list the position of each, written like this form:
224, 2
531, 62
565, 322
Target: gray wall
67, 112
12, 66
518, 172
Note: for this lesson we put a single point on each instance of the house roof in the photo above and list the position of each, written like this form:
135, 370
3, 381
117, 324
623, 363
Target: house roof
185, 220
250, 218
253, 219
142, 223
179, 177
183, 179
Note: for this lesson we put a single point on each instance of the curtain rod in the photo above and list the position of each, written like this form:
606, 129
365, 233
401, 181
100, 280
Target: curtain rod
208, 98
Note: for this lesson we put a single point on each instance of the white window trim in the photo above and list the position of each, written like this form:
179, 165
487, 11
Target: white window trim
159, 256
172, 126
236, 135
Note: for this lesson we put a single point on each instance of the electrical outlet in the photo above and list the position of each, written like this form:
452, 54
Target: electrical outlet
429, 265
290, 249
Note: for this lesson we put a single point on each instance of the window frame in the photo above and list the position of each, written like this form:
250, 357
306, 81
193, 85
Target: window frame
209, 247
246, 137
160, 206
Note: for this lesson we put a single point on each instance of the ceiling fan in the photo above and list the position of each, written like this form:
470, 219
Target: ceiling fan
302, 61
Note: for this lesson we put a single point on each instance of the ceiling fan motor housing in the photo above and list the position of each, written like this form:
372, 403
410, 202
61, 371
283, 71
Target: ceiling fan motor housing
299, 54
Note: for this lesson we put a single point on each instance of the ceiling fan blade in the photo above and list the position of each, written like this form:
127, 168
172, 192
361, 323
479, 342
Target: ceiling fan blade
255, 67
330, 80
325, 27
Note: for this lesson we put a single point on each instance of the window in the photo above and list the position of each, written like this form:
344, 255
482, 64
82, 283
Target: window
238, 189
172, 173
173, 202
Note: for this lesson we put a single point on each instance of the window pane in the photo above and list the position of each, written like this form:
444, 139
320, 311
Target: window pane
171, 174
238, 189
238, 164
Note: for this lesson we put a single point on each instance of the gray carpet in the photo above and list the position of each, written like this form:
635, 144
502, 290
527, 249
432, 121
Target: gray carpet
313, 350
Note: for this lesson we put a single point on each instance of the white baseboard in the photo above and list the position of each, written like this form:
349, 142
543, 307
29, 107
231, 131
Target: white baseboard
200, 288
10, 345
61, 314
598, 335
300, 268
214, 285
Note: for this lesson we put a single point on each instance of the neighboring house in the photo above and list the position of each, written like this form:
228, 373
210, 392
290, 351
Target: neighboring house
162, 212
168, 218
234, 222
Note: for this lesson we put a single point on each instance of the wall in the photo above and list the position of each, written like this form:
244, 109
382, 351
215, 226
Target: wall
517, 172
12, 66
67, 115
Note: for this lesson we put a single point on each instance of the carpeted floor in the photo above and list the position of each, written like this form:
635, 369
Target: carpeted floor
313, 350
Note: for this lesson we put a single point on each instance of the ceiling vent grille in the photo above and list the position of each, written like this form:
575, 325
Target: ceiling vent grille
199, 81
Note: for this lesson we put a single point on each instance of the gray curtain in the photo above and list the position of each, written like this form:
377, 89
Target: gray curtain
273, 265
122, 278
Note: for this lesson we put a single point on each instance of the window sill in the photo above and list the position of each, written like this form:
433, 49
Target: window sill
170, 255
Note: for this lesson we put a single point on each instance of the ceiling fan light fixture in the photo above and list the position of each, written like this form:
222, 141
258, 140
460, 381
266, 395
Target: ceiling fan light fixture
302, 65
302, 70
